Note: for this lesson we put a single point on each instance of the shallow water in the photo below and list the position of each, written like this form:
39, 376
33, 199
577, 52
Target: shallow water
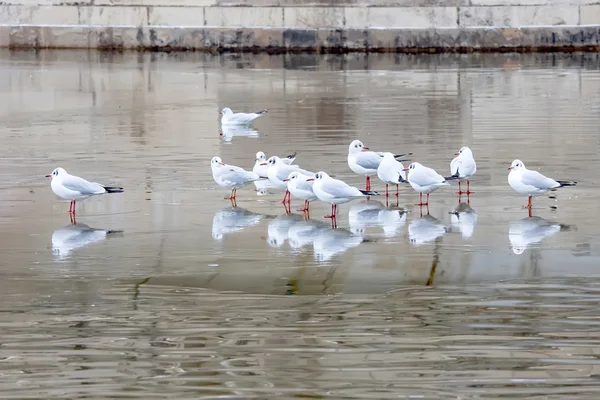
167, 291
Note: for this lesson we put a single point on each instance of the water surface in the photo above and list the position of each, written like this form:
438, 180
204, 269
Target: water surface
168, 291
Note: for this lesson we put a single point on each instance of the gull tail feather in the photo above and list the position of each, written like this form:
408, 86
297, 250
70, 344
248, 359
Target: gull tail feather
402, 155
113, 189
261, 112
369, 193
567, 183
292, 156
452, 177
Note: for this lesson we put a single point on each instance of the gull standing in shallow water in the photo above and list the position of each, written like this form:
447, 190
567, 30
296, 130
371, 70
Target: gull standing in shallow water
300, 187
261, 166
71, 187
278, 171
424, 180
365, 162
230, 176
231, 118
334, 191
391, 171
463, 166
531, 183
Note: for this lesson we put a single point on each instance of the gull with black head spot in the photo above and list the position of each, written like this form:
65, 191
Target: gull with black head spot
365, 162
231, 118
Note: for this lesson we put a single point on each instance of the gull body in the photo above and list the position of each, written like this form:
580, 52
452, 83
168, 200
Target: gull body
301, 188
391, 171
532, 183
228, 117
74, 188
463, 166
230, 176
335, 191
364, 162
261, 167
424, 180
278, 171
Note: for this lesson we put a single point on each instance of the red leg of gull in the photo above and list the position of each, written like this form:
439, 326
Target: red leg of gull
469, 188
529, 205
368, 185
333, 211
74, 205
285, 197
71, 207
396, 190
386, 190
427, 202
420, 203
459, 190
231, 196
306, 204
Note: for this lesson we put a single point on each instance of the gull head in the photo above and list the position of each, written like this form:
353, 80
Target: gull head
465, 151
319, 175
412, 167
273, 160
216, 162
226, 111
356, 147
516, 165
292, 176
56, 173
260, 156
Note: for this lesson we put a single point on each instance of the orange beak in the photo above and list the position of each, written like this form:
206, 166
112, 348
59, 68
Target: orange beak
263, 163
365, 148
286, 179
310, 179
405, 169
457, 154
49, 176
509, 168
222, 163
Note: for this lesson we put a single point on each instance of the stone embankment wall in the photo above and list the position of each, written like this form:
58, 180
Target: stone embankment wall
303, 25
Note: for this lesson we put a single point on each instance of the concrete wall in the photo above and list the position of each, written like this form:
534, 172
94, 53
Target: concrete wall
318, 25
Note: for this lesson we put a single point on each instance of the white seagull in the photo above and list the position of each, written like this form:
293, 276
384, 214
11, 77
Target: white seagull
233, 219
425, 229
530, 231
230, 176
424, 180
261, 166
531, 183
300, 187
391, 171
278, 171
464, 219
71, 187
231, 118
463, 166
334, 191
365, 162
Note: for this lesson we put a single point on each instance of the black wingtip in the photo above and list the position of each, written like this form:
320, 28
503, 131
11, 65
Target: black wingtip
452, 177
369, 193
402, 155
567, 183
113, 189
261, 112
293, 155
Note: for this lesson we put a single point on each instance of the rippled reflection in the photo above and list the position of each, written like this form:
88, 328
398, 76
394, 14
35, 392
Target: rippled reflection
303, 233
74, 236
425, 229
528, 232
231, 131
330, 242
463, 220
277, 231
233, 219
372, 213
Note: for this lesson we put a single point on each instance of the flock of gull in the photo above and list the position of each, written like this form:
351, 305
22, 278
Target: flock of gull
309, 186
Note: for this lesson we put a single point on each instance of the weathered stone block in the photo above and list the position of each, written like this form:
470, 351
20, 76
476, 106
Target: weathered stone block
244, 16
144, 3
310, 17
39, 15
113, 16
401, 17
518, 16
176, 16
300, 38
589, 15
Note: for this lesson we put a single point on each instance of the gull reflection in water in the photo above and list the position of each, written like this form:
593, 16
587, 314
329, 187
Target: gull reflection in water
231, 131
277, 232
262, 186
330, 242
74, 236
233, 219
529, 231
425, 229
463, 220
373, 213
303, 233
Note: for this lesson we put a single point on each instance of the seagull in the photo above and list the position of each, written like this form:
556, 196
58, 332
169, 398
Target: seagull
464, 219
278, 171
424, 180
463, 166
334, 191
233, 219
300, 187
71, 187
425, 229
230, 176
391, 171
531, 183
261, 166
231, 118
365, 162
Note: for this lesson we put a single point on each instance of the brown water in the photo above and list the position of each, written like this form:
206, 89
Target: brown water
187, 298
